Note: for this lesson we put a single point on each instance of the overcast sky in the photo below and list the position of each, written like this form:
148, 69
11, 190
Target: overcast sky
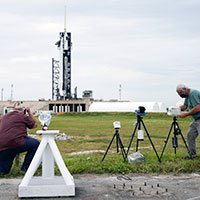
147, 46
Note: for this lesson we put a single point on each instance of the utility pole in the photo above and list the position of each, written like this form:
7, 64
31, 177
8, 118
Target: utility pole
11, 96
2, 94
120, 92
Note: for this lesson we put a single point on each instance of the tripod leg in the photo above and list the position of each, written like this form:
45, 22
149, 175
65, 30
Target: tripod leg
137, 145
131, 140
166, 141
122, 147
175, 150
151, 141
108, 147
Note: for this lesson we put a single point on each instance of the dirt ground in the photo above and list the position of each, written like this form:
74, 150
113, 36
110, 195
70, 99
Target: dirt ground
184, 187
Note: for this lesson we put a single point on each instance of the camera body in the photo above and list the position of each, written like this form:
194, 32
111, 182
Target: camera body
11, 109
140, 110
7, 110
117, 125
173, 111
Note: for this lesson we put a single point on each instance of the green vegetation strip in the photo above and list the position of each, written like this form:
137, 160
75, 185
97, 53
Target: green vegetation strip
94, 131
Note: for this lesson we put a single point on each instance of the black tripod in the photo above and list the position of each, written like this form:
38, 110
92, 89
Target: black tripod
177, 131
118, 143
138, 125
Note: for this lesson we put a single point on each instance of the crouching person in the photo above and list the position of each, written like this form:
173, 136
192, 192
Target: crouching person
14, 139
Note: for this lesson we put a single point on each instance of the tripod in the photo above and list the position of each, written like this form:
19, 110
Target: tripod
138, 125
177, 131
118, 143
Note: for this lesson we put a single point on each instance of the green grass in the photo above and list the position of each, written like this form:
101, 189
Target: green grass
93, 131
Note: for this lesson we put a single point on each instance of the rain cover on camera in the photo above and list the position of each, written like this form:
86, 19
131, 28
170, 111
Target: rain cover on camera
45, 118
173, 110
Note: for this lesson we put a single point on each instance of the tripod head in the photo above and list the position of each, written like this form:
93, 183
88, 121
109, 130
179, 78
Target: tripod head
177, 130
140, 112
175, 118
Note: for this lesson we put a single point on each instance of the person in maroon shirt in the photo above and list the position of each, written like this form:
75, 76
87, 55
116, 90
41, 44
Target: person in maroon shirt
14, 138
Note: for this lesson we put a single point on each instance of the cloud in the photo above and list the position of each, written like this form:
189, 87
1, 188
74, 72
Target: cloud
144, 45
28, 59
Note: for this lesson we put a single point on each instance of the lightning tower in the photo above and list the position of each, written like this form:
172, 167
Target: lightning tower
61, 70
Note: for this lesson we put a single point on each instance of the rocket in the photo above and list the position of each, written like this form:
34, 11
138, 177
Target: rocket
64, 46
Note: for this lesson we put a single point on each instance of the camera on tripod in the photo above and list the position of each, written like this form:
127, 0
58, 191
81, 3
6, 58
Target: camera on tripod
140, 133
116, 125
140, 111
173, 111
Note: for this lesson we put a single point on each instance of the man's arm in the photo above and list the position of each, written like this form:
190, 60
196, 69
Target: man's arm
191, 112
31, 116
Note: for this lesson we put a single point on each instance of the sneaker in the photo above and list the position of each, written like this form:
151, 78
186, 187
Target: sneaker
190, 158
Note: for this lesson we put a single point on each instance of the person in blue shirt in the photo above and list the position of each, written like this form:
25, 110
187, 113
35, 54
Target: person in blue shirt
192, 107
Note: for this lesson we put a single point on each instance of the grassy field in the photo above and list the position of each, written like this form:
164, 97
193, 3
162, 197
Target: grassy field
93, 131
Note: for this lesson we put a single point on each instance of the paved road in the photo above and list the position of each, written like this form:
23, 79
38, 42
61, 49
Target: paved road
110, 187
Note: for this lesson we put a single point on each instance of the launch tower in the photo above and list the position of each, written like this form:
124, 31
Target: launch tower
61, 70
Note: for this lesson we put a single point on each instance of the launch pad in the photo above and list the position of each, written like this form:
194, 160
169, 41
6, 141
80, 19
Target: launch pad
63, 100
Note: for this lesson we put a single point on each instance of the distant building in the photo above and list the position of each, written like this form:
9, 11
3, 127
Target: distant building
88, 93
87, 104
126, 106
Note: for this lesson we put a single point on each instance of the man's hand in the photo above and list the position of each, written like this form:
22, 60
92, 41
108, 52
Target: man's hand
183, 115
183, 107
28, 110
191, 112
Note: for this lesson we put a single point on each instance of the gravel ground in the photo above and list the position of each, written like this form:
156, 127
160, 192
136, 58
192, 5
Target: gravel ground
184, 187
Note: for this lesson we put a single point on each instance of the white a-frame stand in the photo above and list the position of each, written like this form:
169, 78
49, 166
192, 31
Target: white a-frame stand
47, 185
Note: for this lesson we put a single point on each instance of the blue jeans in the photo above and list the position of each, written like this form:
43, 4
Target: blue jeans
7, 156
